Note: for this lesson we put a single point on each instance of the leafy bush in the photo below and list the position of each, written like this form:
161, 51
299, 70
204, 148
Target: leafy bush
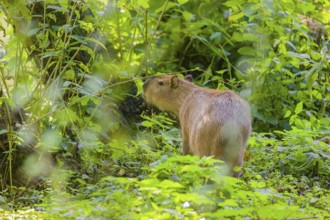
185, 187
300, 153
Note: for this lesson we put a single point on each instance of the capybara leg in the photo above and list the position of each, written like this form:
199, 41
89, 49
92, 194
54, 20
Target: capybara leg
185, 148
236, 164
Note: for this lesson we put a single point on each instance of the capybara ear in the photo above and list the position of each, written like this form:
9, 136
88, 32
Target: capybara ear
175, 81
188, 78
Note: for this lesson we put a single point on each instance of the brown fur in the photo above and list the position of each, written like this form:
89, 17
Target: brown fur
213, 123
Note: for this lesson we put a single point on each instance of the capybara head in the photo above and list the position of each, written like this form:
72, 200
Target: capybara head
165, 91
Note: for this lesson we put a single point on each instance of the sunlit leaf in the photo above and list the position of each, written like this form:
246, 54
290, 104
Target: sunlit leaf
139, 84
299, 108
247, 51
236, 17
181, 2
144, 3
170, 184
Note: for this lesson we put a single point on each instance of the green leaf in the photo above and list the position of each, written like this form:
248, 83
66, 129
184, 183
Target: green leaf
236, 17
187, 16
271, 119
84, 100
299, 108
69, 74
139, 85
181, 2
298, 55
144, 3
317, 94
240, 37
249, 51
33, 31
150, 183
228, 202
170, 184
50, 54
278, 211
147, 124
287, 114
257, 184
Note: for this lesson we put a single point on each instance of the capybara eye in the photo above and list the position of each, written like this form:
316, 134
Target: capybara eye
160, 83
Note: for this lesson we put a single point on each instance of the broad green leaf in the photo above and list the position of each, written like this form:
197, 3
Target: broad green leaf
271, 119
169, 184
150, 183
298, 108
33, 31
84, 100
232, 213
147, 124
144, 3
50, 54
250, 37
279, 211
257, 184
249, 51
228, 202
287, 114
236, 17
181, 2
139, 84
317, 94
240, 37
188, 16
69, 74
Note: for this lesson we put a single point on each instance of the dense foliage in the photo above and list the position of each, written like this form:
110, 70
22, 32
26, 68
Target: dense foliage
77, 142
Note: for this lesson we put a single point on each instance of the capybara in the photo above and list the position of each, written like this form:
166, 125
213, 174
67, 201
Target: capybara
213, 123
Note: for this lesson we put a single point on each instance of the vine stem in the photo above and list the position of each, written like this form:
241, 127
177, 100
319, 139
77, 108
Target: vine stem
148, 43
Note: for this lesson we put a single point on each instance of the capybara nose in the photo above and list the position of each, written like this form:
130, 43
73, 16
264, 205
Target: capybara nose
146, 83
